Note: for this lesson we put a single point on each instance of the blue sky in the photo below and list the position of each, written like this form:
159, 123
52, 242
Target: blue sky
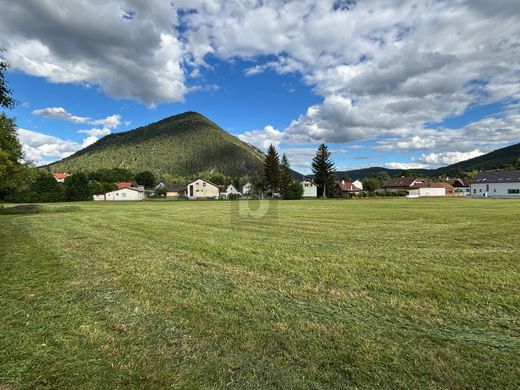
400, 85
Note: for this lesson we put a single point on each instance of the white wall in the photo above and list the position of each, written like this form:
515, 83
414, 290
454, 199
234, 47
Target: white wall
426, 191
200, 189
494, 189
310, 190
99, 197
358, 184
124, 194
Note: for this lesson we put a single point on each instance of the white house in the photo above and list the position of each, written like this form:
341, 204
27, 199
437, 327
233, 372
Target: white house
230, 190
310, 190
247, 188
127, 193
496, 184
358, 184
431, 190
202, 189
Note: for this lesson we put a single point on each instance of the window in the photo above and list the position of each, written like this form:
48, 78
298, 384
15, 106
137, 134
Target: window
474, 190
513, 191
487, 187
494, 190
203, 184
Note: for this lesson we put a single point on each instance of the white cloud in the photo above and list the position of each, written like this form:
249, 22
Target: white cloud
60, 113
42, 148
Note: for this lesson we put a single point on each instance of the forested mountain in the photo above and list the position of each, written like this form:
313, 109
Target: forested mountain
181, 145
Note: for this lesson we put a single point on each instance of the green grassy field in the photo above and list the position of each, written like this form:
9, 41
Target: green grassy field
317, 294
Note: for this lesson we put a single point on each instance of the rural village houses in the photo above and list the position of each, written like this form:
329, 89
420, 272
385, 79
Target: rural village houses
496, 184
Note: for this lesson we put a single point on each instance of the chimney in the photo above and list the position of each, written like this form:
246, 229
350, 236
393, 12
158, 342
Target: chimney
342, 181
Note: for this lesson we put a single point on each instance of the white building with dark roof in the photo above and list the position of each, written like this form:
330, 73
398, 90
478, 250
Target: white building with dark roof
498, 184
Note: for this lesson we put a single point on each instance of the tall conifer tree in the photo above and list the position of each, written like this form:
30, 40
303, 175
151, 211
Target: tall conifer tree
286, 178
271, 171
323, 169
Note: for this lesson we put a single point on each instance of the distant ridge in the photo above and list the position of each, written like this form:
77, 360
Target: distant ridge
504, 158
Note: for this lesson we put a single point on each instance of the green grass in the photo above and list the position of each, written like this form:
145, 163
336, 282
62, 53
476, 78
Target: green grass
391, 293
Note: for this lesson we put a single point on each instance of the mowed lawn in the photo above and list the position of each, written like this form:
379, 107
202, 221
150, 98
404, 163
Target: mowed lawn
396, 293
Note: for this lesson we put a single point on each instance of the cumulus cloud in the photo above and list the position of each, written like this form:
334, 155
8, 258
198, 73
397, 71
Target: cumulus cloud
42, 148
60, 113
386, 71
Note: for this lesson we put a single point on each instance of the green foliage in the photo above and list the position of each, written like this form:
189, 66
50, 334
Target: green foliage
232, 196
182, 146
6, 100
406, 173
12, 171
286, 178
323, 169
45, 188
294, 191
97, 188
145, 178
271, 171
77, 187
111, 175
371, 184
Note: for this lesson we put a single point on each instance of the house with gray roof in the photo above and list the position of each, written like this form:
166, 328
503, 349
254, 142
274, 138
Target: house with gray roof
505, 184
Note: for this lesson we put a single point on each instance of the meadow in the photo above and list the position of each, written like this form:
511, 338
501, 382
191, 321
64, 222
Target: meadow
376, 293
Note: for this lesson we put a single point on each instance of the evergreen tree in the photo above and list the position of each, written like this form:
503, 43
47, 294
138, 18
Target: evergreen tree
285, 176
271, 171
294, 191
323, 169
77, 187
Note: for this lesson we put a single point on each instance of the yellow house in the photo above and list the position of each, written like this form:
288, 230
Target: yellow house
202, 189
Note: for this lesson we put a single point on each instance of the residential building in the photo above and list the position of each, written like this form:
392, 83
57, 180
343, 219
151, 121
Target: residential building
403, 183
247, 189
496, 184
431, 190
123, 184
122, 194
176, 191
310, 190
230, 190
345, 189
461, 186
202, 189
358, 184
60, 177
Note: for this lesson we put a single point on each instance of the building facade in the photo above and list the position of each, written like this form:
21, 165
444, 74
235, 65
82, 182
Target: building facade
499, 184
202, 189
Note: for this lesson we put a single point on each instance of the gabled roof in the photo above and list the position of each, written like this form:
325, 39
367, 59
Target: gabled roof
207, 181
441, 184
129, 188
347, 186
497, 177
461, 183
177, 188
123, 184
60, 176
405, 181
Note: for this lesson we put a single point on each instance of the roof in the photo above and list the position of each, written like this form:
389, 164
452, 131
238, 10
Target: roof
207, 181
497, 177
129, 188
123, 184
60, 176
461, 183
441, 184
404, 181
347, 186
177, 188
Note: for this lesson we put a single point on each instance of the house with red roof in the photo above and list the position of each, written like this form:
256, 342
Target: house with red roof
345, 189
123, 184
60, 177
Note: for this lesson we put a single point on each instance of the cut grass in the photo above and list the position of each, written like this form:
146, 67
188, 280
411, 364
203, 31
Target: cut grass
318, 294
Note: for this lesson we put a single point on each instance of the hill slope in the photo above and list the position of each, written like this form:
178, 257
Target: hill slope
182, 145
497, 159
503, 158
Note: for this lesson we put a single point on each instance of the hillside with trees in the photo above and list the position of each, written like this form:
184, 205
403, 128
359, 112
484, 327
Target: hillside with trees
182, 145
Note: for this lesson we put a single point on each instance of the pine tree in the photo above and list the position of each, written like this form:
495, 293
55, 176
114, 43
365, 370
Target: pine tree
323, 169
285, 176
271, 171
